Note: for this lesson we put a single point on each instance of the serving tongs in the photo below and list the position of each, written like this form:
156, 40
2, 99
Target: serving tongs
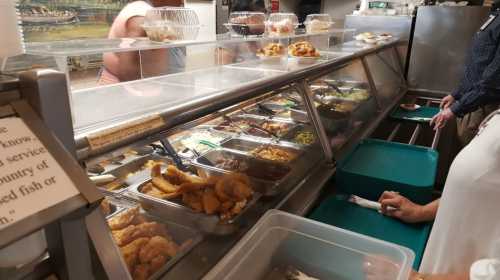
337, 89
170, 151
245, 131
266, 110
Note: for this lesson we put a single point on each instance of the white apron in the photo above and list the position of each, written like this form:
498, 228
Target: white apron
467, 225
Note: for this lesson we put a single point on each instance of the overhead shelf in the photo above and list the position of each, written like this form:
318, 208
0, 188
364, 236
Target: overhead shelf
99, 46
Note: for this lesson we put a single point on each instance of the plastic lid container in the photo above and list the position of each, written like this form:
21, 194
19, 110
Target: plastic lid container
246, 23
281, 24
318, 23
280, 241
171, 23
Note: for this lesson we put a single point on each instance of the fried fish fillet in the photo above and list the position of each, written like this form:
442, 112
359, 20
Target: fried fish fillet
153, 191
160, 182
123, 219
178, 177
132, 232
157, 246
130, 252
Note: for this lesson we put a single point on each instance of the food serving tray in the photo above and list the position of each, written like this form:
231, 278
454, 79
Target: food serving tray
176, 211
257, 168
258, 120
247, 145
132, 172
290, 137
186, 237
187, 152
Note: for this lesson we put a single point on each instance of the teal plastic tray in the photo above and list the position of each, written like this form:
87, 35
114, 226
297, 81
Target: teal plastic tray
424, 114
341, 213
375, 166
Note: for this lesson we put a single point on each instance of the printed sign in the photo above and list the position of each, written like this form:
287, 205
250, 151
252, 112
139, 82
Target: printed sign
31, 180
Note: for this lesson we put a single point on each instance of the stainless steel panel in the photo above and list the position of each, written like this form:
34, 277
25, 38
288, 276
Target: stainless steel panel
441, 40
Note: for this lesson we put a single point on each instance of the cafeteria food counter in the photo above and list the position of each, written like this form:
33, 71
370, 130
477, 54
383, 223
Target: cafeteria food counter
189, 162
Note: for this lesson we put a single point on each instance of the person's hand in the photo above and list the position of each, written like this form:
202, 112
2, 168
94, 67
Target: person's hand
446, 102
399, 207
440, 120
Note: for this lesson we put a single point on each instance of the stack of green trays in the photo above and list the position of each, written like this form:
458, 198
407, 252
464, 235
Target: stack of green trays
375, 166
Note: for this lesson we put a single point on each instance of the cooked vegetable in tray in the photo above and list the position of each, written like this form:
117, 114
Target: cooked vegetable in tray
274, 154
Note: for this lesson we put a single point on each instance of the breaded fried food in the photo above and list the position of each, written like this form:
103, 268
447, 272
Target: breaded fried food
141, 272
123, 219
178, 177
105, 207
210, 201
133, 232
157, 262
232, 187
160, 182
193, 200
191, 187
151, 190
130, 252
157, 246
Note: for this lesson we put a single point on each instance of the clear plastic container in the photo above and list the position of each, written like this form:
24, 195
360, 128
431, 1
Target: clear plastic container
171, 24
281, 24
282, 242
318, 23
246, 24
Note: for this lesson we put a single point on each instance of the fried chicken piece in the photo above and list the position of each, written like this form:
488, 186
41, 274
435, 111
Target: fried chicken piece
141, 272
191, 187
210, 202
130, 252
193, 200
226, 206
238, 207
178, 177
160, 182
157, 246
124, 219
133, 232
233, 187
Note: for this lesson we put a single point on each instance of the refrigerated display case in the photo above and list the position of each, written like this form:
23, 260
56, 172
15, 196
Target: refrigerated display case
177, 144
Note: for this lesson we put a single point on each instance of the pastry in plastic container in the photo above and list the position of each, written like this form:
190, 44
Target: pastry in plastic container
246, 24
281, 24
167, 24
318, 23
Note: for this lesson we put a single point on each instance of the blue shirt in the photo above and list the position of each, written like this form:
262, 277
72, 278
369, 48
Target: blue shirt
480, 84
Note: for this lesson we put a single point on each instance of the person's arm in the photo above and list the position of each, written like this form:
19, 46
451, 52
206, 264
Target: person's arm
399, 207
485, 91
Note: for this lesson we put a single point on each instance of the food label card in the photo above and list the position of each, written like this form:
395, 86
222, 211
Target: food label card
31, 180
